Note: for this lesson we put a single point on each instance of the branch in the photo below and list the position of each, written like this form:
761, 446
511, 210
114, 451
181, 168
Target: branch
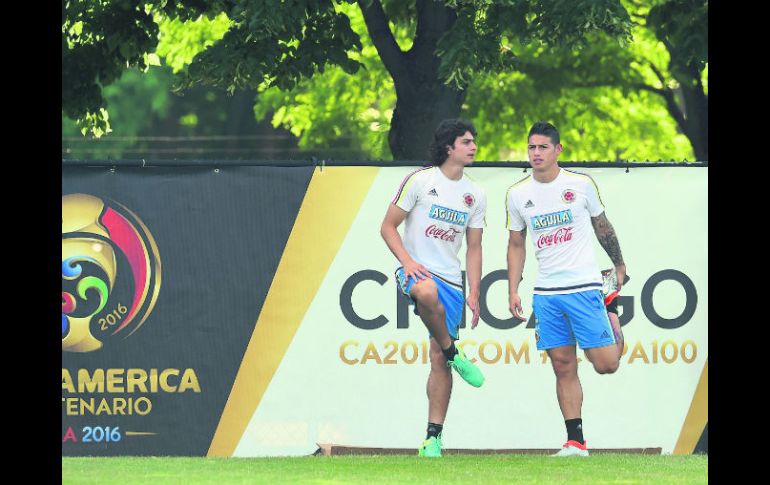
382, 37
637, 86
638, 20
658, 74
609, 84
674, 111
667, 94
647, 87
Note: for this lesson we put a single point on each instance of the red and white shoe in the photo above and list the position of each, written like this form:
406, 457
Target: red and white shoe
573, 448
610, 285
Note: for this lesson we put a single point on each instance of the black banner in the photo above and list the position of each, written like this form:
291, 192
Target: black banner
164, 274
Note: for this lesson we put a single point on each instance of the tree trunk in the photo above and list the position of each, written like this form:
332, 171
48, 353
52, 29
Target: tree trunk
692, 115
422, 100
420, 107
696, 122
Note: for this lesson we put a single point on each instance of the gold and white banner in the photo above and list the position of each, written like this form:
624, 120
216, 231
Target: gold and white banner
336, 357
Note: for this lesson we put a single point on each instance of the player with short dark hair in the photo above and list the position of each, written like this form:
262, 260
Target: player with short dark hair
559, 207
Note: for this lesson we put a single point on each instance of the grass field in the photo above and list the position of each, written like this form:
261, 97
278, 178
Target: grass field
406, 470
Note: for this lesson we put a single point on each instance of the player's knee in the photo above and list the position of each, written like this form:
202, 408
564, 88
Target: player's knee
564, 367
425, 292
608, 367
437, 358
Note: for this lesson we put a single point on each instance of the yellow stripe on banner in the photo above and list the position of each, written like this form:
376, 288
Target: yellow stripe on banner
332, 201
697, 417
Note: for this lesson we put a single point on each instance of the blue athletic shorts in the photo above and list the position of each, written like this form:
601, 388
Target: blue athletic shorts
561, 319
449, 294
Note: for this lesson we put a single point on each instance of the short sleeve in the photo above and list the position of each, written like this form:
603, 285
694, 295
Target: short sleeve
513, 219
594, 200
408, 191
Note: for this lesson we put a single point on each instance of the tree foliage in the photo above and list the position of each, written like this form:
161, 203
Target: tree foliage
599, 123
595, 123
373, 76
150, 121
103, 38
668, 59
281, 42
337, 110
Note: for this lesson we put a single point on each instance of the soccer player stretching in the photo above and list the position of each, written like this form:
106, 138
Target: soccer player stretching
440, 205
558, 207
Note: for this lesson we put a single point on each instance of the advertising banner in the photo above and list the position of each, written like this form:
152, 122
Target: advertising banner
252, 311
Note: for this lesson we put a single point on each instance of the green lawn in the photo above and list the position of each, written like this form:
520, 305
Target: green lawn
407, 470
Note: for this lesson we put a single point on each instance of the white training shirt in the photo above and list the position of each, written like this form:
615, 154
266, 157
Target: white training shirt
558, 215
440, 209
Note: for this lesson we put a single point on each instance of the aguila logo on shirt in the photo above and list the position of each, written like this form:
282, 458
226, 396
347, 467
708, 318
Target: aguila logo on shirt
469, 200
554, 219
568, 196
445, 214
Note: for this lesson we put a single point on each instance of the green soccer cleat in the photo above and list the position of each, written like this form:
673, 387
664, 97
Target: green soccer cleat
431, 448
467, 370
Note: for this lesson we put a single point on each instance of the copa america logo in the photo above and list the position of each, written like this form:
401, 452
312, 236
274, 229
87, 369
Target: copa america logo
110, 272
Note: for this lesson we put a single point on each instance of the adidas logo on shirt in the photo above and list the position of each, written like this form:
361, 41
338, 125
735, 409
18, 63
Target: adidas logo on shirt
605, 335
433, 192
529, 204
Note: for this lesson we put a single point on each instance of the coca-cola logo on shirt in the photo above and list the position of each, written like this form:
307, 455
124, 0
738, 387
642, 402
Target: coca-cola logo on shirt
442, 234
561, 236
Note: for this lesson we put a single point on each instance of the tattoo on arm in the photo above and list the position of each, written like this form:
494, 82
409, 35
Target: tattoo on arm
607, 238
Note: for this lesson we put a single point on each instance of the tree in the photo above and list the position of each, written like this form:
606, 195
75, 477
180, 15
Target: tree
100, 40
339, 116
280, 42
150, 122
596, 124
668, 59
599, 123
682, 27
